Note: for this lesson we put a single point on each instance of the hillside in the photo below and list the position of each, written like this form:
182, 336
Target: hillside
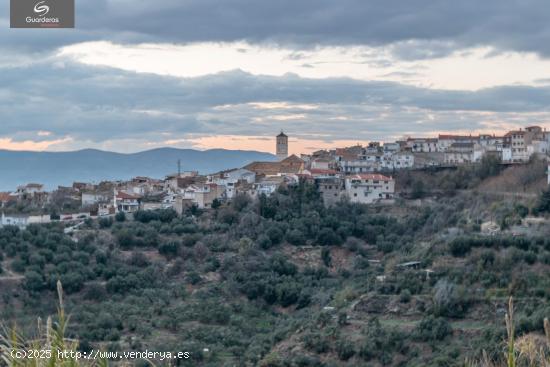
63, 168
284, 281
489, 177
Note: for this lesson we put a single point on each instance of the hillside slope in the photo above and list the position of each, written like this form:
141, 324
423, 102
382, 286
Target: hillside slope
285, 282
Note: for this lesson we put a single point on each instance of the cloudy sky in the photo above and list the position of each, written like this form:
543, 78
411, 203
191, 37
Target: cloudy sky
137, 74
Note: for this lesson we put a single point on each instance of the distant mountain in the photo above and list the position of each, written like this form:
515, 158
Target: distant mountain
63, 168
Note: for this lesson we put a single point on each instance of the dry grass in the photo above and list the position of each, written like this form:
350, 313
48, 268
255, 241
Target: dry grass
527, 351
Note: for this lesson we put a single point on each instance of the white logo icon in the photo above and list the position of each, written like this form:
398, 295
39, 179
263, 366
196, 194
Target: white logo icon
41, 9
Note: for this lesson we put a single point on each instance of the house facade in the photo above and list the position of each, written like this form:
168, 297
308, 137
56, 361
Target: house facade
126, 203
369, 188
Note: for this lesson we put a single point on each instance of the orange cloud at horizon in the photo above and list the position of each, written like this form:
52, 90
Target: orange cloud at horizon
28, 145
267, 144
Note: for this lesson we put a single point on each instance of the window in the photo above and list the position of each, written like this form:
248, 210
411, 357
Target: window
355, 194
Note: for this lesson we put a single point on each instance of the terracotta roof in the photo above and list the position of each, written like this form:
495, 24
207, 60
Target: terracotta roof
346, 154
125, 196
268, 168
5, 197
515, 132
293, 158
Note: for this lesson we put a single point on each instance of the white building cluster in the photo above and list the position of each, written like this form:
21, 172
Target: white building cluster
515, 146
361, 174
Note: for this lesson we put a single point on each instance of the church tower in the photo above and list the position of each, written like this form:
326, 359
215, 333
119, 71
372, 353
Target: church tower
282, 146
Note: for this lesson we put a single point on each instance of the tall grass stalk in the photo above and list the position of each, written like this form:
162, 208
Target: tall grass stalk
526, 351
509, 319
51, 338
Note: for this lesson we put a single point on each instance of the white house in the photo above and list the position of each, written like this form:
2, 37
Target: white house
358, 166
266, 186
203, 195
31, 189
423, 145
398, 160
506, 154
369, 188
92, 198
518, 140
459, 153
322, 163
14, 220
230, 179
125, 202
444, 142
539, 147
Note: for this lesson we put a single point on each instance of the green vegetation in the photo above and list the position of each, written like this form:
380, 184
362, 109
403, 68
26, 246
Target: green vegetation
49, 348
284, 281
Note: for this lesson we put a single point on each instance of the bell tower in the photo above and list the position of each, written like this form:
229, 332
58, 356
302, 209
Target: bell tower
282, 146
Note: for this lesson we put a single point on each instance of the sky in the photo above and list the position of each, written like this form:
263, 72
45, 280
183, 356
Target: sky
136, 75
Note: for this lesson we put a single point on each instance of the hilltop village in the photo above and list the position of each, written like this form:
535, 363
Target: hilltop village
361, 174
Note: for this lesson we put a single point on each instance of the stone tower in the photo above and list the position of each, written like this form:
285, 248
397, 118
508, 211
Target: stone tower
282, 146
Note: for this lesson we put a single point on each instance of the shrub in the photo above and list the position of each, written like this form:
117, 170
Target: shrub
460, 246
169, 249
405, 296
543, 205
126, 239
316, 342
194, 277
94, 292
418, 190
264, 241
105, 222
449, 300
296, 237
353, 244
327, 237
34, 281
72, 281
433, 329
275, 234
120, 217
326, 257
344, 349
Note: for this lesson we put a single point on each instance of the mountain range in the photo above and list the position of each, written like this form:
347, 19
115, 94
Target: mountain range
90, 165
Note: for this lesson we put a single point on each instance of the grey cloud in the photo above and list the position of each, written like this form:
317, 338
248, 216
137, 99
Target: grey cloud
102, 104
434, 27
420, 50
